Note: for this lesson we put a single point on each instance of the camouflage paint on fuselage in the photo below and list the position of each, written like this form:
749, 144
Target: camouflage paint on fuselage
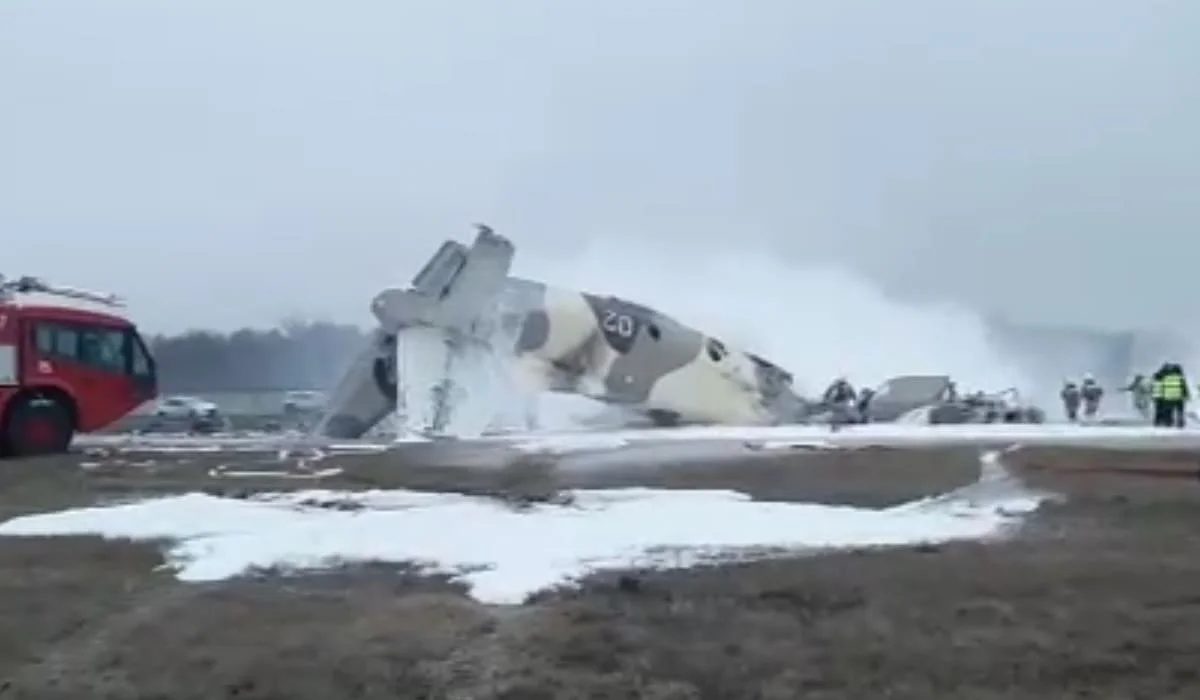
606, 348
617, 351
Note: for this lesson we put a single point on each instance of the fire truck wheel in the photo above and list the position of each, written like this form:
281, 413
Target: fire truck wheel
39, 426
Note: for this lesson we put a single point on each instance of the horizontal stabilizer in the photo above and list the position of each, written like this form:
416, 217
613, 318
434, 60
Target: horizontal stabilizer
440, 271
455, 291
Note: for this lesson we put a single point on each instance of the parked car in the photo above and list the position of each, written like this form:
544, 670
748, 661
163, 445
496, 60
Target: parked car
184, 407
303, 402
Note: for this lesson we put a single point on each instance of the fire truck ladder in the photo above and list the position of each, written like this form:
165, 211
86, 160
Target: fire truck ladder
10, 288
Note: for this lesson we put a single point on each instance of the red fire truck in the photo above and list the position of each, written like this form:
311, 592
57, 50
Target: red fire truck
65, 370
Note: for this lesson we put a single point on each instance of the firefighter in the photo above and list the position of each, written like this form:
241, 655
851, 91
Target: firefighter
1092, 393
864, 405
840, 391
1140, 394
1175, 395
1071, 397
1156, 395
840, 398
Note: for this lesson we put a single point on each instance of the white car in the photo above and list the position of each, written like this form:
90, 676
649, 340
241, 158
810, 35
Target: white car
303, 401
184, 407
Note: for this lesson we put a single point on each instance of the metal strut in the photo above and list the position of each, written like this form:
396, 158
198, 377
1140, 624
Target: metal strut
10, 288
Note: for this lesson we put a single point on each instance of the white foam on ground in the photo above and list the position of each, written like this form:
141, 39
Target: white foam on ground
503, 554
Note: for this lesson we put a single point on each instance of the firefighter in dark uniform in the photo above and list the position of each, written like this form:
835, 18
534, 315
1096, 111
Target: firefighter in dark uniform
1071, 397
840, 399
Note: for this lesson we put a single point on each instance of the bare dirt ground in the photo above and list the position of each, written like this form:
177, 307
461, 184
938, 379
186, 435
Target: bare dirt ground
1100, 598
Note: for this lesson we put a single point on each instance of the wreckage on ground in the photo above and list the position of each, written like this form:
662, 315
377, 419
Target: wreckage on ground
466, 338
927, 399
935, 400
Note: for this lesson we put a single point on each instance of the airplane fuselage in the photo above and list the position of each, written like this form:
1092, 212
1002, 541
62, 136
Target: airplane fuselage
616, 351
602, 347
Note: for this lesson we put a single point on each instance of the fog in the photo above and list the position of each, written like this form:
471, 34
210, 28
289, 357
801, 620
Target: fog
836, 183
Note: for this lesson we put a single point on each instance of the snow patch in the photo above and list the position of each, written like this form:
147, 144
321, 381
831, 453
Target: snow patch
565, 444
503, 554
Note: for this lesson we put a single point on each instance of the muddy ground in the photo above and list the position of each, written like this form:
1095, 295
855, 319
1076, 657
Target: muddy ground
1099, 598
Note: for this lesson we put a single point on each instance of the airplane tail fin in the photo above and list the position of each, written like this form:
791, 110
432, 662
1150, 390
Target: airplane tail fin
455, 291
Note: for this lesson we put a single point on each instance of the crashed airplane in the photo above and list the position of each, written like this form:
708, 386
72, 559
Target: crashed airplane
465, 331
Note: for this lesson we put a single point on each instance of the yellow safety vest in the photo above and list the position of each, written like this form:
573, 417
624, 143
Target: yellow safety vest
1156, 389
1172, 387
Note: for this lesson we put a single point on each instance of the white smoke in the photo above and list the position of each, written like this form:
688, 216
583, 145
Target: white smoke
818, 323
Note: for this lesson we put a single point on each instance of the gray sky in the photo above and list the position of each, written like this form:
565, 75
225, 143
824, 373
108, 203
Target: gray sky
224, 162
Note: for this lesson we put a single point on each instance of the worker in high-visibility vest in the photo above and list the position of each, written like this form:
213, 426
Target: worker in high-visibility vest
1174, 395
1156, 396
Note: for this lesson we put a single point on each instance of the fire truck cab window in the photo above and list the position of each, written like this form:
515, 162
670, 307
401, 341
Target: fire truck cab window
57, 341
102, 348
44, 339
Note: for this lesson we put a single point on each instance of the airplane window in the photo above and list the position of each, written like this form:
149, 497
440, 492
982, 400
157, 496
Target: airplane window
653, 331
716, 351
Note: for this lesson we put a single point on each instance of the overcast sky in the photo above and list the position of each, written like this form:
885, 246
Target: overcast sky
224, 162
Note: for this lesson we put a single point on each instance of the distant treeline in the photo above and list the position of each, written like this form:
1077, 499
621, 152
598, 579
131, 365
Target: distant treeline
313, 355
296, 355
